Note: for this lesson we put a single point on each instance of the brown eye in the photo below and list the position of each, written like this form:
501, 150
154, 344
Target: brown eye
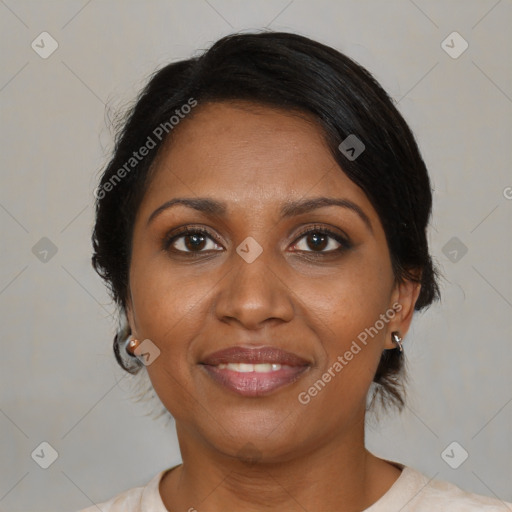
194, 242
190, 240
321, 241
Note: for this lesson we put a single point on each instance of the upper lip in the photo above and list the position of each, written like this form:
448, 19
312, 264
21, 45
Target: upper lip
259, 355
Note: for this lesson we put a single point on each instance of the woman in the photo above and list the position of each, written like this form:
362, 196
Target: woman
262, 227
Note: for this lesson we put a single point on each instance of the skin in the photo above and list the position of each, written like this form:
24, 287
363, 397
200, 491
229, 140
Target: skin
309, 457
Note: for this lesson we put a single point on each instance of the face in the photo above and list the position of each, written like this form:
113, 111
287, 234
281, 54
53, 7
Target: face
261, 266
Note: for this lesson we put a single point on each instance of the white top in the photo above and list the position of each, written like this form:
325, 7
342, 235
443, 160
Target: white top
411, 492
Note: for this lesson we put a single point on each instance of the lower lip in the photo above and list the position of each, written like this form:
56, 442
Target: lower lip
255, 383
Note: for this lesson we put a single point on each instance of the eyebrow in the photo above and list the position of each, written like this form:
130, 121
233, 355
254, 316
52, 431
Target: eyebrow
213, 207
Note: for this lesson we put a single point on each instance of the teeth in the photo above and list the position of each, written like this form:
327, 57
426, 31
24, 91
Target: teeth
247, 368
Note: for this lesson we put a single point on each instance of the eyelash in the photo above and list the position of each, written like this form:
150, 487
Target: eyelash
345, 244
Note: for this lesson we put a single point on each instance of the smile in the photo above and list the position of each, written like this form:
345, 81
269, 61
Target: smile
253, 380
254, 372
248, 368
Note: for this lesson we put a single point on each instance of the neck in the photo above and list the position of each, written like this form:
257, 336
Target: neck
339, 475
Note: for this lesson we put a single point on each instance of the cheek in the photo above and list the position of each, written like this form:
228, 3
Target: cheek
352, 299
163, 297
348, 321
171, 319
170, 309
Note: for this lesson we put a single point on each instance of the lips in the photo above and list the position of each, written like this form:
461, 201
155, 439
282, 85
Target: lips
254, 372
254, 356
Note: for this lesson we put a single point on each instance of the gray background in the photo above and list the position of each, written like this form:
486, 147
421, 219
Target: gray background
59, 382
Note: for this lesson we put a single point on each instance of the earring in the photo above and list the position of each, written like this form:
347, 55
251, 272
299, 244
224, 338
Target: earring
395, 336
131, 345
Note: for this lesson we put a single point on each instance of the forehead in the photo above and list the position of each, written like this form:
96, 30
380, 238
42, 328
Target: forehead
248, 154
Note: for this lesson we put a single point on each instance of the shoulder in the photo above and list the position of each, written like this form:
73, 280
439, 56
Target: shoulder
126, 501
443, 493
415, 492
137, 499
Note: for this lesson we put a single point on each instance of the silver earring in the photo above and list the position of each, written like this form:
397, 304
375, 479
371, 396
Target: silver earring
396, 338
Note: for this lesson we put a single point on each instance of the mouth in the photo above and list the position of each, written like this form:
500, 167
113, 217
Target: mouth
254, 372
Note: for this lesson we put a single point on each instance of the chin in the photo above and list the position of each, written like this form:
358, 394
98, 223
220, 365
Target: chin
254, 436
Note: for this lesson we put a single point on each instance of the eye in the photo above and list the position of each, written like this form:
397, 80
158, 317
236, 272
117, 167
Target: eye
322, 241
199, 240
192, 240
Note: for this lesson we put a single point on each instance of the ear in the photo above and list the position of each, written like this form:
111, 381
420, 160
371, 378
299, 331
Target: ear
403, 299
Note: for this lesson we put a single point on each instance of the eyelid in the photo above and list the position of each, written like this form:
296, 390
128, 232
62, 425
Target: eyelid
331, 231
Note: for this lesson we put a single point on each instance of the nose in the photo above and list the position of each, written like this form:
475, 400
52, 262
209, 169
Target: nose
254, 293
